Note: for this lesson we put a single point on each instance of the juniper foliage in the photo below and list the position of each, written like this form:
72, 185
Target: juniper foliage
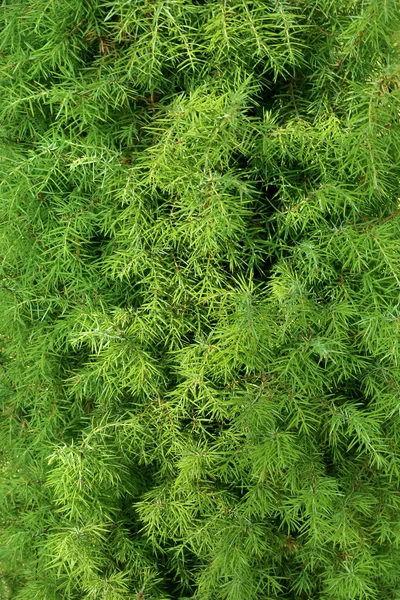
199, 299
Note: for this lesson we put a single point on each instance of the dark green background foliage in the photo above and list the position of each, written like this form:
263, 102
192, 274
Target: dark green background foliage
200, 315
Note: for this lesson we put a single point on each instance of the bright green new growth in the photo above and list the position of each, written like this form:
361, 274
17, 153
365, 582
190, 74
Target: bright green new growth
199, 300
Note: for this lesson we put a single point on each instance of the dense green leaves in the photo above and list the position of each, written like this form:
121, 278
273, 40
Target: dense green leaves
199, 314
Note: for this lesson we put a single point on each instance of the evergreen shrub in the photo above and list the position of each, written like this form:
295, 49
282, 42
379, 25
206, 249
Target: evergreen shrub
199, 300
